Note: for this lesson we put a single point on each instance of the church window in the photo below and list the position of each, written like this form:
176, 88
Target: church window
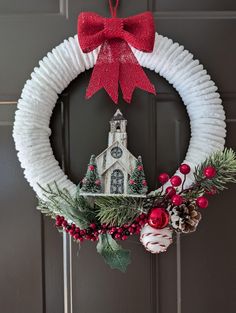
117, 182
116, 152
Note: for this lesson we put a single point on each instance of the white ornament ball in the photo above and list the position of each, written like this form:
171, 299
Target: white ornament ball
156, 240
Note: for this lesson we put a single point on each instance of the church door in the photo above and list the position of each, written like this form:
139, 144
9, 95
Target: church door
117, 182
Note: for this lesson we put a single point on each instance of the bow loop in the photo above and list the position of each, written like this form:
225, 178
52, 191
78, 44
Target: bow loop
90, 31
140, 31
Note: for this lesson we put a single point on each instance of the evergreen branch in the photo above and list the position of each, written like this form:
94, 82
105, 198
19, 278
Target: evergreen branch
60, 202
225, 164
118, 210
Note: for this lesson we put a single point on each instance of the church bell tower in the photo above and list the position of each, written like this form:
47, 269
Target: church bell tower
118, 129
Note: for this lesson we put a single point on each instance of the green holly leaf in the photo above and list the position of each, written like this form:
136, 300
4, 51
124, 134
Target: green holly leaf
114, 255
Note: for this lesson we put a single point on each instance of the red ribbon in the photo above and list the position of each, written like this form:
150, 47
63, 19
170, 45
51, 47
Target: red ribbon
116, 62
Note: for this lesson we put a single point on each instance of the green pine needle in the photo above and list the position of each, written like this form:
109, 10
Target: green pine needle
61, 202
116, 211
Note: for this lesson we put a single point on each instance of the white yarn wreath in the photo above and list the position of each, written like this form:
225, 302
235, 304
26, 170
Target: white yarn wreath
170, 60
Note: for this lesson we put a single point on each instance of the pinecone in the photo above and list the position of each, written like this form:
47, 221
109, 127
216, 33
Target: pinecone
185, 218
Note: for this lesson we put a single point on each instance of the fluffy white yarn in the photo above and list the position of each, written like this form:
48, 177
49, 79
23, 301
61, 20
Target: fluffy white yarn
31, 128
156, 240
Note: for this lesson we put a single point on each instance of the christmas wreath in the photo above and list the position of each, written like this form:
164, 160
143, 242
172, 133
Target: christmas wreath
114, 218
111, 218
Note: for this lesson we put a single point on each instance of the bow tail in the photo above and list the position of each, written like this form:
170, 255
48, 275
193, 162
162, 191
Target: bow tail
105, 74
116, 64
132, 75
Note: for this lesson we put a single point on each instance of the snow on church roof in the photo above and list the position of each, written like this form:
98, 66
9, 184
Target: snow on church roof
118, 116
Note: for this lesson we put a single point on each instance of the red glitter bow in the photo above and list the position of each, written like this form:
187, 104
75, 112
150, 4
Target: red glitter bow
116, 62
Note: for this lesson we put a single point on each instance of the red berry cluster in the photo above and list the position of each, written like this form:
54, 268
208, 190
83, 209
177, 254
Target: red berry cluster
176, 181
94, 230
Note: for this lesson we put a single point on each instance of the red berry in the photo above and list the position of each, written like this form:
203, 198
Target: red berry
140, 168
124, 237
170, 191
144, 182
112, 230
71, 232
163, 178
142, 216
209, 172
184, 169
76, 236
64, 223
137, 230
82, 232
202, 202
132, 182
98, 182
58, 223
120, 230
131, 230
91, 167
117, 236
177, 200
175, 181
93, 226
212, 191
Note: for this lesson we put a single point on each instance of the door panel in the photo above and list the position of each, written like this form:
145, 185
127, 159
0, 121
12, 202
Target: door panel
191, 275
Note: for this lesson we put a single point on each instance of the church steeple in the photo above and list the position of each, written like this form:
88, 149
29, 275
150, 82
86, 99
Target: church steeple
118, 129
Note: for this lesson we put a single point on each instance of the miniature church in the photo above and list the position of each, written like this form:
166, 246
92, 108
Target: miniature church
115, 171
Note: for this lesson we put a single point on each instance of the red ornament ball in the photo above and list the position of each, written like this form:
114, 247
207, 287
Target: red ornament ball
98, 182
209, 172
177, 200
175, 181
140, 168
170, 191
158, 218
184, 169
132, 182
163, 178
91, 167
202, 202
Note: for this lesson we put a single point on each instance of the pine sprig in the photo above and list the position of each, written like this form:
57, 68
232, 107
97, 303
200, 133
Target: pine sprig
225, 164
61, 202
118, 210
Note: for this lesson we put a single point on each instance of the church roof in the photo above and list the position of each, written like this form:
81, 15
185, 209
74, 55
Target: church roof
118, 116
